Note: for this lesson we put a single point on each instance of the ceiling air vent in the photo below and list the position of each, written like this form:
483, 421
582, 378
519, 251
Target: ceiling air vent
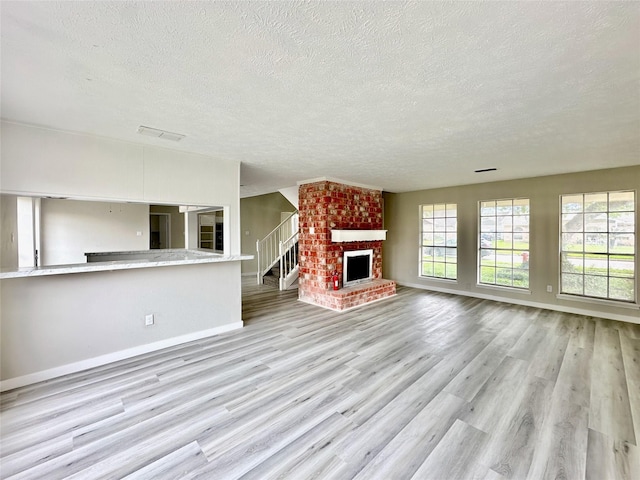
154, 132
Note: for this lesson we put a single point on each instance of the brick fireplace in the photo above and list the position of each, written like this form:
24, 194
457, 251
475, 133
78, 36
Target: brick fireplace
325, 206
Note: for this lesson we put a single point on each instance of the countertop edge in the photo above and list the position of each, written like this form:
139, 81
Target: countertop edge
118, 265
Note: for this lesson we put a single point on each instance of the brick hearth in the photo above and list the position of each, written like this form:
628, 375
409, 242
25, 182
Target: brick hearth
326, 205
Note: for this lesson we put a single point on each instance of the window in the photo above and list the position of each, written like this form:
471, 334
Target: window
597, 245
439, 241
504, 243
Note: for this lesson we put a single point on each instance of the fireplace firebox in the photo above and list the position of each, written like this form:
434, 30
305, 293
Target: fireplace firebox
357, 266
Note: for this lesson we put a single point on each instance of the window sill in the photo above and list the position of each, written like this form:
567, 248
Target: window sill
439, 279
598, 301
523, 291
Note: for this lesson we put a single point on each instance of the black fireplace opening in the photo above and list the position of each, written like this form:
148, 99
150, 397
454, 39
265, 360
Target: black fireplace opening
357, 266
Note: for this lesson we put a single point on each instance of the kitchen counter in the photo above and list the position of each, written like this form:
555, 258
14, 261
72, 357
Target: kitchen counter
55, 322
126, 261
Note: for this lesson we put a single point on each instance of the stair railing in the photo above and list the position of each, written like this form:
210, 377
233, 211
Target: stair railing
288, 261
269, 248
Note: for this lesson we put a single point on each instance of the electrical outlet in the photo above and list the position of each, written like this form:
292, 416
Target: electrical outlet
549, 289
148, 319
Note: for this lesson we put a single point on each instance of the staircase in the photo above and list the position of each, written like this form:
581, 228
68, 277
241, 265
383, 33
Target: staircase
277, 255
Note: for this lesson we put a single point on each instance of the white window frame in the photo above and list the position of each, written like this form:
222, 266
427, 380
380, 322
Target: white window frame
450, 233
523, 257
567, 293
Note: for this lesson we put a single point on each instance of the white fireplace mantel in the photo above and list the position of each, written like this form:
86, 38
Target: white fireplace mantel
358, 235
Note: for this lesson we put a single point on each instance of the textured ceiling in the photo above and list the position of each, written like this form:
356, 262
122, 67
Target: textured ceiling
405, 95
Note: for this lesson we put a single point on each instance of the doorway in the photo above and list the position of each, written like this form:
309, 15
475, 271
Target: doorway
159, 230
211, 230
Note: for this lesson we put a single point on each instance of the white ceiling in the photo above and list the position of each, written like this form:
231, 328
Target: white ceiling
405, 95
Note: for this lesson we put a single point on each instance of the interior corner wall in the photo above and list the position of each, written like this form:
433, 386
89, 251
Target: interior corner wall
402, 219
259, 215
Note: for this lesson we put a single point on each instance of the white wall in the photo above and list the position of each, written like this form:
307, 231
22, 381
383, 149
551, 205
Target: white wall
27, 211
42, 162
64, 323
8, 232
70, 228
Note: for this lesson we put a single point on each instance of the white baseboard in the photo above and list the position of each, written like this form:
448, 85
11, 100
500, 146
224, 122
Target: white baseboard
36, 377
250, 274
526, 303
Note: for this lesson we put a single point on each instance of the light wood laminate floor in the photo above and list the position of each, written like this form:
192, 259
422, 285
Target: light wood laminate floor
420, 386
